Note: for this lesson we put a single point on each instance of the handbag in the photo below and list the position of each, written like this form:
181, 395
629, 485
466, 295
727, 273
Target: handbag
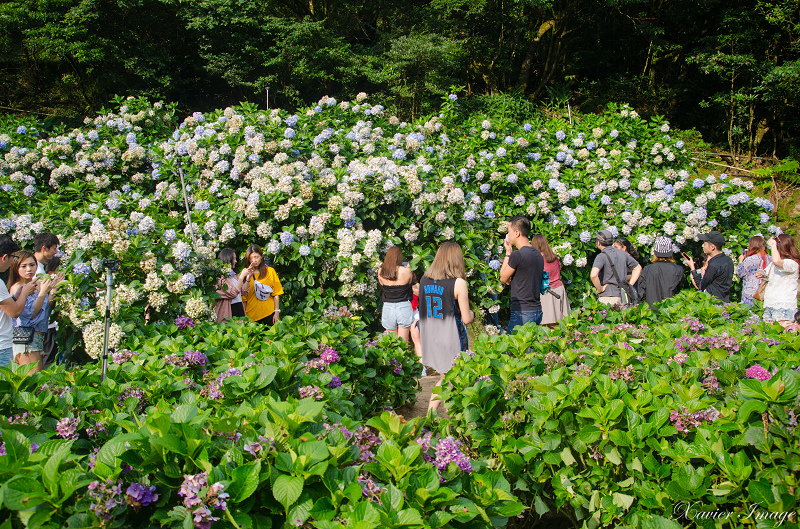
759, 295
23, 335
627, 293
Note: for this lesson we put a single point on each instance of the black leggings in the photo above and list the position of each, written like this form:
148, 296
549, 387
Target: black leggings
266, 320
237, 310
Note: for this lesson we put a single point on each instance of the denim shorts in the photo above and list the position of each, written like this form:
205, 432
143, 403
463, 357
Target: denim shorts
772, 314
36, 346
6, 355
397, 315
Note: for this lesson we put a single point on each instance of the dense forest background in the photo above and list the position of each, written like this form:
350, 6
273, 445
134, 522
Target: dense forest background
728, 68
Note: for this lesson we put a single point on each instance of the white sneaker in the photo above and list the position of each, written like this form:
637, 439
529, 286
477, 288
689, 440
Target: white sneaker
424, 371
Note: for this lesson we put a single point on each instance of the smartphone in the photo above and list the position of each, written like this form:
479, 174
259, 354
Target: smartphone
744, 252
405, 263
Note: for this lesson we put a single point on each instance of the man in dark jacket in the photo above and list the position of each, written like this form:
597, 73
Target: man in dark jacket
719, 271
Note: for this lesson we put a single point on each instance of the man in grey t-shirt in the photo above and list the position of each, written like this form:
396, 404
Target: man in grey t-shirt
602, 274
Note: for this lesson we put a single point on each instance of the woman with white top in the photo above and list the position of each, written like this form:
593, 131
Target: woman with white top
780, 295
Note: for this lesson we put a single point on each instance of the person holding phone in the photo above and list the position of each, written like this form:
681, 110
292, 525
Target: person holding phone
719, 268
780, 296
753, 259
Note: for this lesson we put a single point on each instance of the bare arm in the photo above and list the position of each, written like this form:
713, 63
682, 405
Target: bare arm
594, 275
777, 260
14, 307
461, 295
635, 275
277, 316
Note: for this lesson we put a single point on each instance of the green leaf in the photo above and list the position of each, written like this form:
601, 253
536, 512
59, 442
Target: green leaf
540, 506
409, 517
654, 521
566, 457
612, 454
750, 406
171, 442
246, 478
184, 413
50, 470
761, 492
287, 489
623, 500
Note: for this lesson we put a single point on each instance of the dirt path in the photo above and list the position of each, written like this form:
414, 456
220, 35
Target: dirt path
420, 409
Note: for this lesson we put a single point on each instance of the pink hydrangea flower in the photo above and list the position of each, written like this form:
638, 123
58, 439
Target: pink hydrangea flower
757, 372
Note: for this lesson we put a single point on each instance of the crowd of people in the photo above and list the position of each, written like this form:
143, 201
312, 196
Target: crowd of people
434, 311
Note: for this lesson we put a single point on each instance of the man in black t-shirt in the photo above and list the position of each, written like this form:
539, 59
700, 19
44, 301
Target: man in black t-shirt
523, 270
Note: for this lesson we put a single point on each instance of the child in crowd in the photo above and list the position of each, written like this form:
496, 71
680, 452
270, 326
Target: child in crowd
415, 335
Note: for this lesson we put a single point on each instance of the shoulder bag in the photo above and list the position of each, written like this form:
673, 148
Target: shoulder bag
759, 295
627, 293
23, 335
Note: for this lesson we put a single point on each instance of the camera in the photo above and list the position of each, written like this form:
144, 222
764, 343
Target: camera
111, 264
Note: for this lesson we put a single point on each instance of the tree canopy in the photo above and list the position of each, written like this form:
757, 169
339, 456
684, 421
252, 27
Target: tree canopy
729, 68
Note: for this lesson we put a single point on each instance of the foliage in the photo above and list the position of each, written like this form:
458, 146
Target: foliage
623, 417
327, 190
208, 422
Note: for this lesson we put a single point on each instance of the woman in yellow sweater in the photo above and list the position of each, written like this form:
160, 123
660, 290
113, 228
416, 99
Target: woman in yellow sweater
261, 293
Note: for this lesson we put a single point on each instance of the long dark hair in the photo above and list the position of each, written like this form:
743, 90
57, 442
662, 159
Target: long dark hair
392, 261
254, 248
540, 243
757, 245
787, 248
631, 249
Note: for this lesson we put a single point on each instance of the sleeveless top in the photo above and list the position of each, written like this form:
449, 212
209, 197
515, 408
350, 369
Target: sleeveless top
442, 333
395, 293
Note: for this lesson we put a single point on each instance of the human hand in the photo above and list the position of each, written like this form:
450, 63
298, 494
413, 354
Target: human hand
45, 285
688, 261
29, 288
741, 257
507, 245
275, 317
58, 279
760, 274
602, 288
772, 243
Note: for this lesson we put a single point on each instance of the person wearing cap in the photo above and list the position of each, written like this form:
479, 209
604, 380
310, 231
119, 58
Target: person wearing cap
662, 278
719, 268
523, 269
602, 274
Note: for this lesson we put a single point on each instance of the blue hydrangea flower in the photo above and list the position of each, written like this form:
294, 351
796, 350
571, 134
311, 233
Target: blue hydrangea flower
605, 200
489, 214
698, 183
527, 127
494, 264
169, 236
469, 215
188, 279
485, 188
585, 236
512, 178
82, 269
291, 121
399, 154
535, 156
453, 97
679, 144
614, 133
304, 250
591, 146
488, 205
29, 191
560, 135
733, 200
509, 140
287, 238
289, 133
22, 129
93, 135
561, 156
202, 205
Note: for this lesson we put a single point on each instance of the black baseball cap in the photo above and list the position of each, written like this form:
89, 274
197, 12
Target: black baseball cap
714, 237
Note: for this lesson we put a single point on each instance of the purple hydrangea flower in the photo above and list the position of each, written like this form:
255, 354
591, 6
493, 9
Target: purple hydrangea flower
184, 322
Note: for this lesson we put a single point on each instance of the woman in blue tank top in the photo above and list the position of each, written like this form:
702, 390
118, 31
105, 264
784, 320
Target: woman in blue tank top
444, 311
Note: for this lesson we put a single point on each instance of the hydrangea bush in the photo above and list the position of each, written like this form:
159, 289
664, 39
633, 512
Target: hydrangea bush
611, 420
326, 189
196, 428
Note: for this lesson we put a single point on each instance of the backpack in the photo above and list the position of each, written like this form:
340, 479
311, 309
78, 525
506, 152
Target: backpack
628, 294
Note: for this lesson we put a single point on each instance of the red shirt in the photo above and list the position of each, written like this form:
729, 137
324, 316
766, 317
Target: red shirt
414, 302
554, 270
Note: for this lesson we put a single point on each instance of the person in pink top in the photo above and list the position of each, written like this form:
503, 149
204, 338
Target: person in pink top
229, 287
553, 309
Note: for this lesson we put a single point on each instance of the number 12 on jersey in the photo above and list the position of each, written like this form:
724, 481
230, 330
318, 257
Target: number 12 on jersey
434, 307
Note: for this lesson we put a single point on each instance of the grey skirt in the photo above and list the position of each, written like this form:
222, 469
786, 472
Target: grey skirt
554, 309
